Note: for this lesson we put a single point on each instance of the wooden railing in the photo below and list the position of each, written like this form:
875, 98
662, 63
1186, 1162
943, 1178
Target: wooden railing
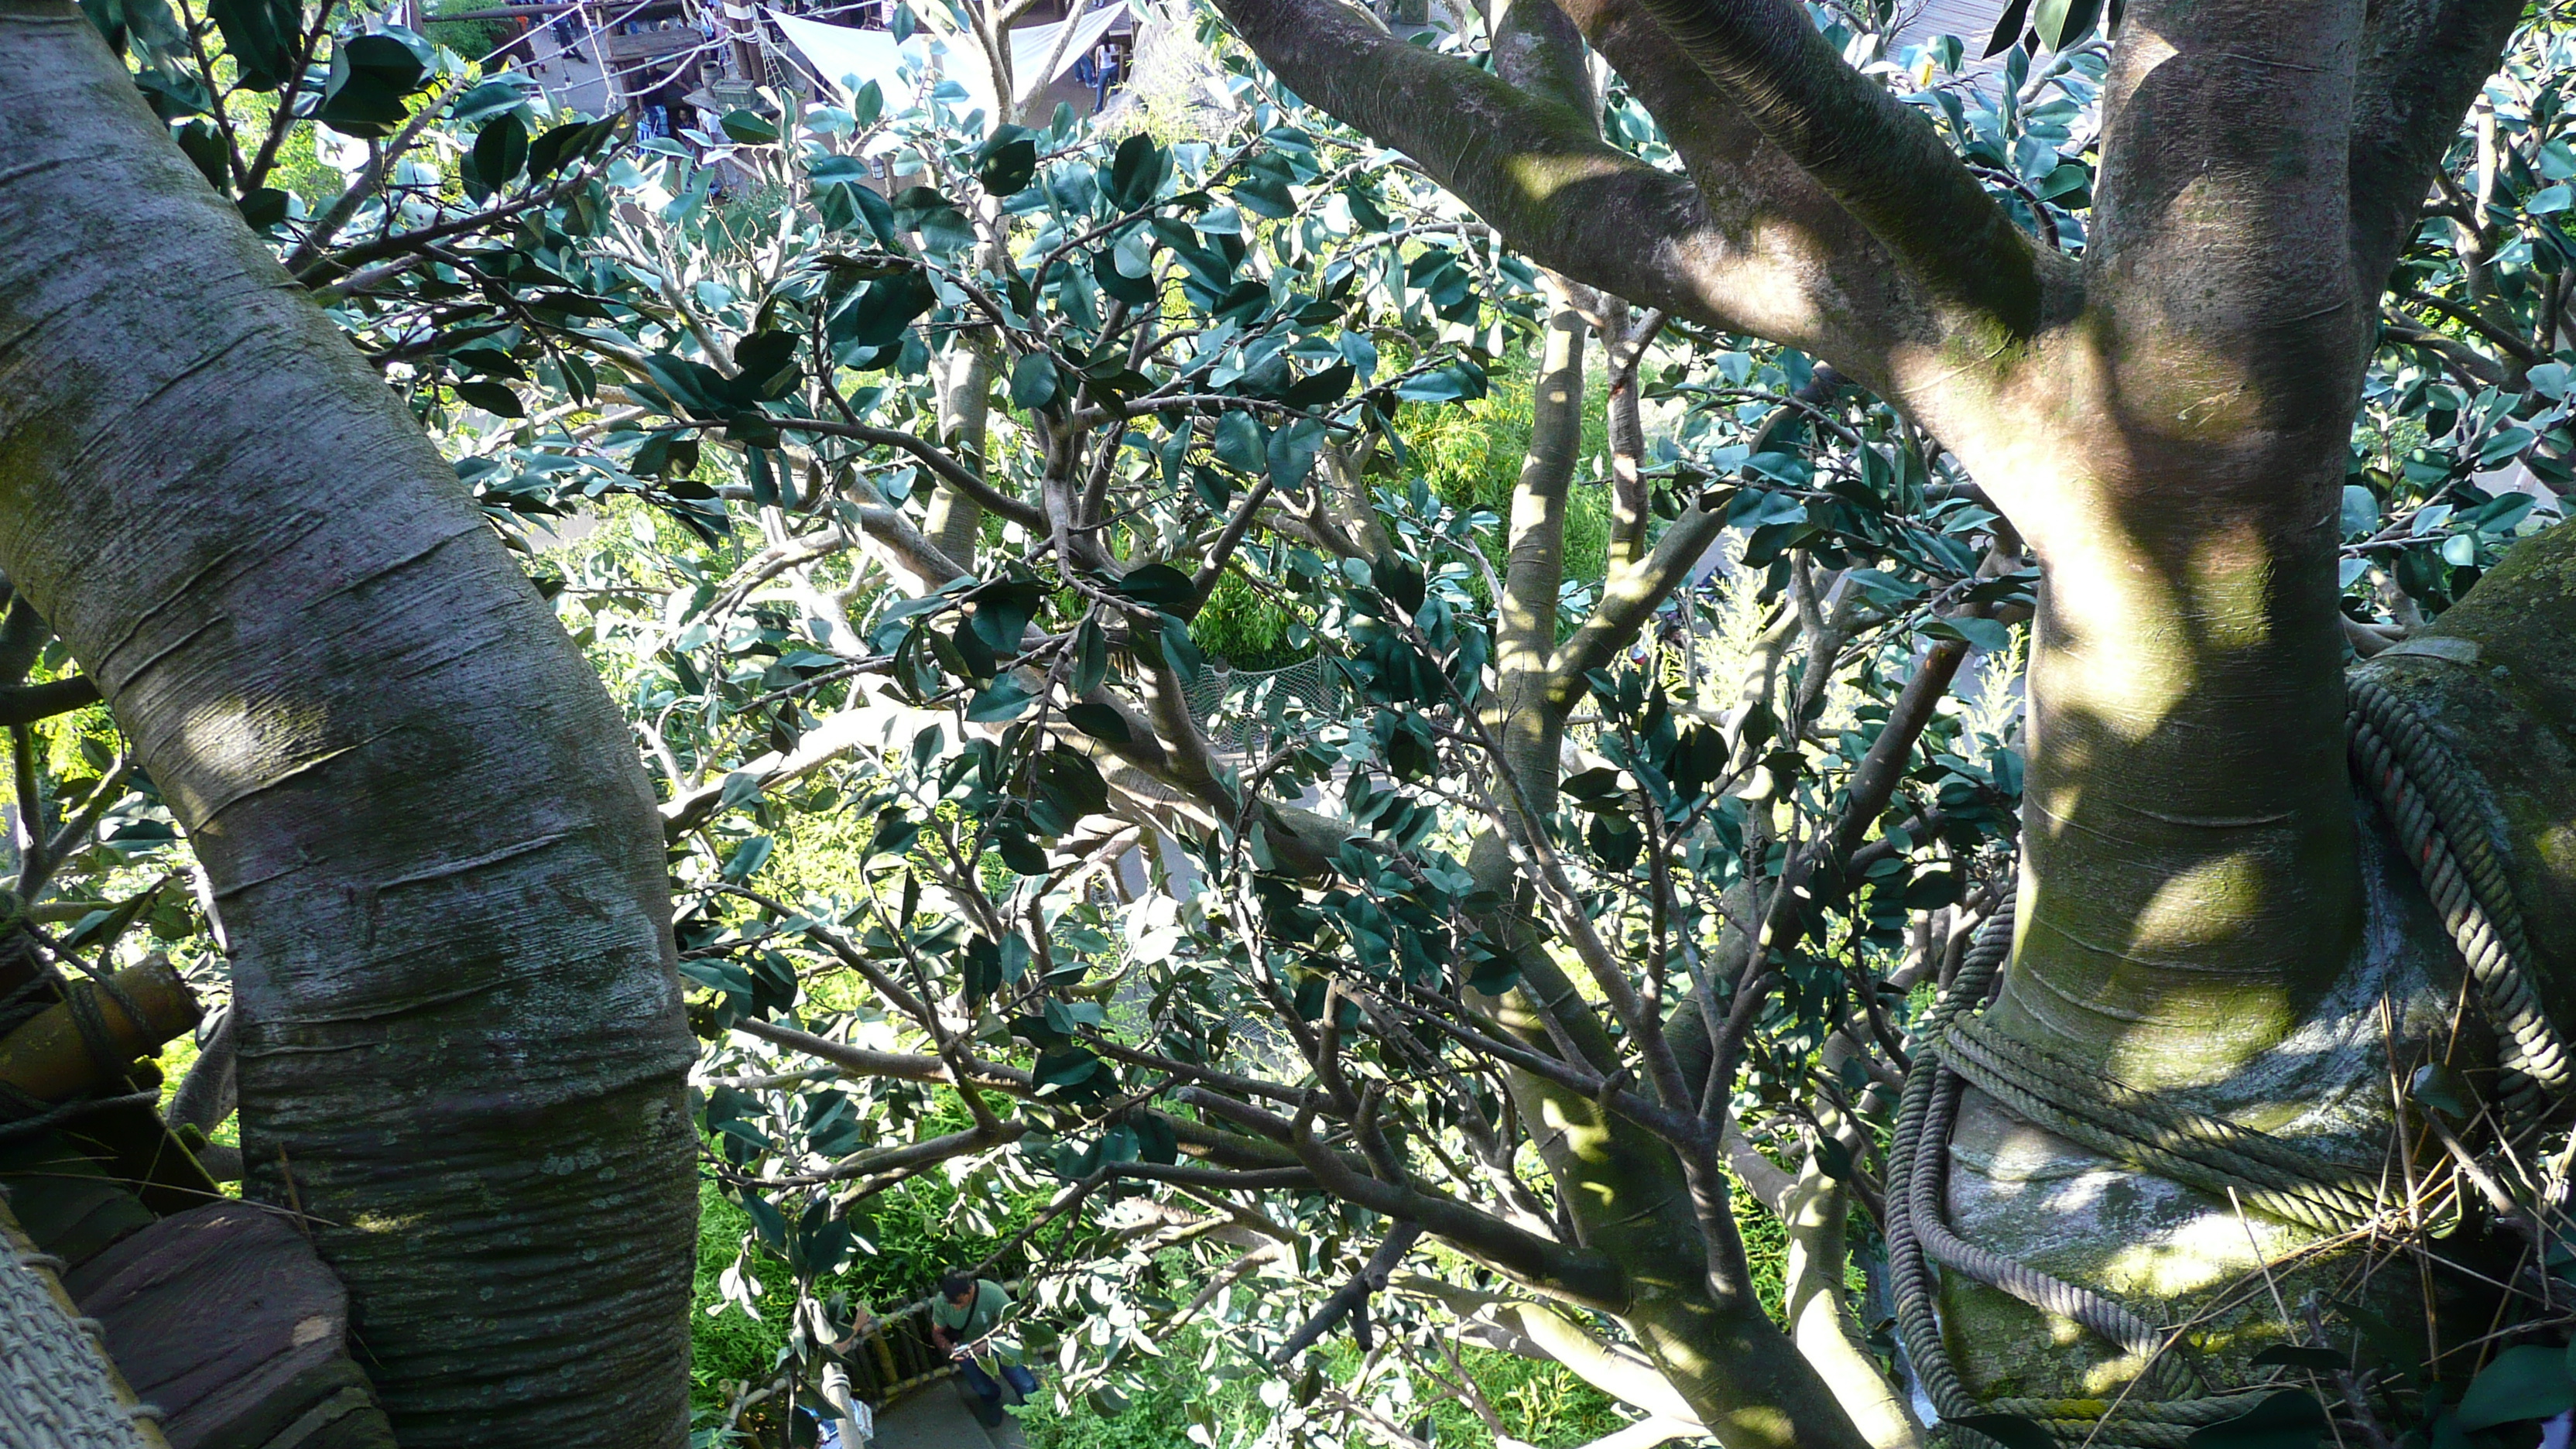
895, 1355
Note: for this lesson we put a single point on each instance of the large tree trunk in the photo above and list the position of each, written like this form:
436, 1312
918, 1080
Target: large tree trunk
435, 857
2201, 916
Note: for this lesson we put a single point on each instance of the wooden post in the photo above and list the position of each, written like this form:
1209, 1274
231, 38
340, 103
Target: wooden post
51, 1060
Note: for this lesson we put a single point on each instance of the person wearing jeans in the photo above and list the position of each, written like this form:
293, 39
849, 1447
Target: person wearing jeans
968, 1310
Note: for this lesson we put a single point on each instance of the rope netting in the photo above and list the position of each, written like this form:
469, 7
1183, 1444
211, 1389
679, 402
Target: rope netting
2429, 801
1243, 710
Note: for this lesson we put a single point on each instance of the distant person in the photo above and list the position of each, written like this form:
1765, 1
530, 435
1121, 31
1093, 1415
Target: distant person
846, 1423
962, 1323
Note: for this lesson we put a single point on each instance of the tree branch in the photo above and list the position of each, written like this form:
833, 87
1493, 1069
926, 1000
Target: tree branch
2422, 62
28, 703
1352, 1297
1578, 1275
1540, 175
1877, 156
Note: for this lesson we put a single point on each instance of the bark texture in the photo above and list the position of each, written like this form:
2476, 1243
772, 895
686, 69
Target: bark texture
434, 854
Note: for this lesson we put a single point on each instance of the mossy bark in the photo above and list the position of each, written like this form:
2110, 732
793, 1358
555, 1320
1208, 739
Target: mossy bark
2494, 679
431, 848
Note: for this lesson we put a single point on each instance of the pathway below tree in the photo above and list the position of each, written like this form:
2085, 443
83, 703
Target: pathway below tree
936, 1416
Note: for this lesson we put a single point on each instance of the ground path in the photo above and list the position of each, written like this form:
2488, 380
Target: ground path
936, 1416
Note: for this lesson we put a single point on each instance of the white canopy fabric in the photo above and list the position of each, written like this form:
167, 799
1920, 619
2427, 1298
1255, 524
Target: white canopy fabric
848, 58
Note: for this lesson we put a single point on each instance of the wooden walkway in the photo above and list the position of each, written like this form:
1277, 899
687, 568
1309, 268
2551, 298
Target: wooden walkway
220, 1316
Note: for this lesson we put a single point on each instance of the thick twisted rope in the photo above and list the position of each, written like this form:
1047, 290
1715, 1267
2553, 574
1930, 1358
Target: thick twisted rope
2427, 798
2430, 804
2142, 1131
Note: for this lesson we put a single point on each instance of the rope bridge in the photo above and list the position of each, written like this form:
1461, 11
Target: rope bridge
1314, 685
2427, 798
1242, 712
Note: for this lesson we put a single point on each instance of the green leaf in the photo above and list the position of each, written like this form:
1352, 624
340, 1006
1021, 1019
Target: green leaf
263, 208
879, 315
1265, 196
2360, 510
370, 77
1002, 699
1065, 1067
260, 36
1034, 383
561, 145
1160, 585
748, 128
1456, 381
2291, 1419
1239, 444
1070, 781
748, 858
1325, 387
2439, 1087
1008, 161
492, 398
486, 101
1136, 172
1985, 635
945, 229
1292, 453
1002, 614
1179, 651
1100, 722
1833, 1159
1155, 1140
2549, 199
501, 152
1090, 657
2008, 27
2527, 1382
2062, 22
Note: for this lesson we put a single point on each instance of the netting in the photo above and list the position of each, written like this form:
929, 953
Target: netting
57, 1389
1242, 711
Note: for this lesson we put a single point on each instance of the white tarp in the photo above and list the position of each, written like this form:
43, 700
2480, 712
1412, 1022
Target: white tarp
848, 58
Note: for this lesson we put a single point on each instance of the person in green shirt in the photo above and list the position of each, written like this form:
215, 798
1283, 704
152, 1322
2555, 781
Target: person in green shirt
962, 1322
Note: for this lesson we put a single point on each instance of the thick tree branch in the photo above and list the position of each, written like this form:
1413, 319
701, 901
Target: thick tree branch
1877, 156
2422, 62
28, 703
1352, 1297
1539, 174
1578, 1275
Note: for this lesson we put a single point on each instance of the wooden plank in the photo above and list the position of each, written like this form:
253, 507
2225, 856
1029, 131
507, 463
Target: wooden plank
224, 1317
652, 43
65, 1200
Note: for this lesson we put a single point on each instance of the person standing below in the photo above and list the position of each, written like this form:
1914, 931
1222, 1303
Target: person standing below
962, 1323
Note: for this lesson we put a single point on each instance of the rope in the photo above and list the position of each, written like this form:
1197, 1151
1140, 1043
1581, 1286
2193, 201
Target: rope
2142, 1131
2431, 804
1316, 684
2427, 798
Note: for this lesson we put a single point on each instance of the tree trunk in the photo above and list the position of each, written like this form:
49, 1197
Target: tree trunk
955, 524
434, 855
1626, 1191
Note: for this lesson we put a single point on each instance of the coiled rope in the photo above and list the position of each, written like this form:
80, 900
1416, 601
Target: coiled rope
2429, 802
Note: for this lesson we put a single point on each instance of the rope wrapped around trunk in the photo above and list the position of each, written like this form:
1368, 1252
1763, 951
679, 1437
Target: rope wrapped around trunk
2430, 804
